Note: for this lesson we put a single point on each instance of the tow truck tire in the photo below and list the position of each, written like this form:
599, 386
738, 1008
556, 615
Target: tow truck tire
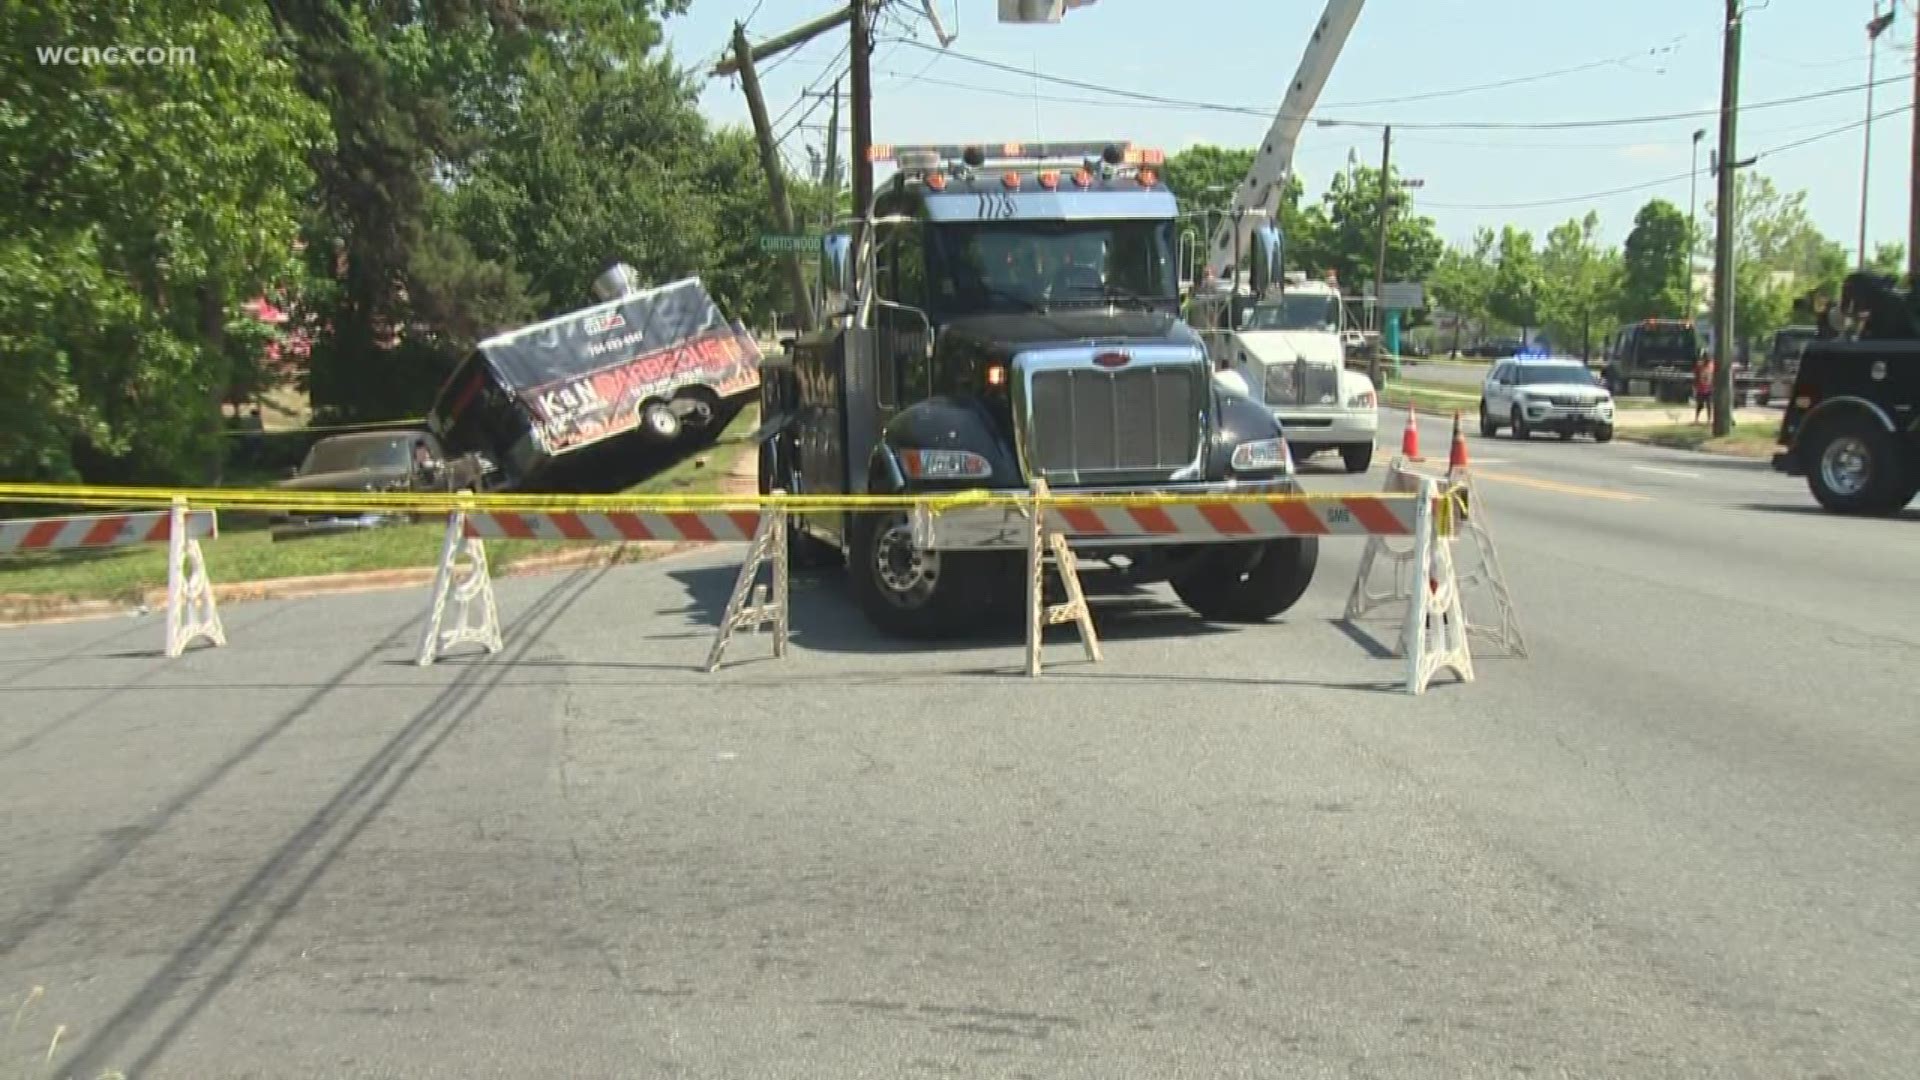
1357, 458
1225, 588
1854, 466
921, 595
1603, 433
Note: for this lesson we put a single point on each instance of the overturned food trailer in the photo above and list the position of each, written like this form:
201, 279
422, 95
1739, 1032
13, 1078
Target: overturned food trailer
658, 365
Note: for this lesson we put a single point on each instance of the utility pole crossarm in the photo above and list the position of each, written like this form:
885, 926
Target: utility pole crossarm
780, 43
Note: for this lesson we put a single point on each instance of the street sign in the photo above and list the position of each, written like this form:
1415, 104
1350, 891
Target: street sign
1403, 295
804, 245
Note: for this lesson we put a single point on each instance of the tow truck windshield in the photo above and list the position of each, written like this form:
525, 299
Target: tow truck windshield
1296, 311
1036, 265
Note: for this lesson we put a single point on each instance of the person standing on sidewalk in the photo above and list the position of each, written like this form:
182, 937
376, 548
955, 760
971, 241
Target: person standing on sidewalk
1702, 386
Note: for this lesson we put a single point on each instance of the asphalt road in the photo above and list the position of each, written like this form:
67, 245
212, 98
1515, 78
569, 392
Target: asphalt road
1676, 842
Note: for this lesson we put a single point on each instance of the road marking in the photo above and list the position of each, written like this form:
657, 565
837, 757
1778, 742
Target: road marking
1667, 472
1557, 486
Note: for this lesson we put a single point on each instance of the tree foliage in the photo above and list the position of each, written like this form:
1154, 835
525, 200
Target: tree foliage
1579, 283
1654, 264
1516, 293
139, 204
1462, 281
1204, 179
1345, 231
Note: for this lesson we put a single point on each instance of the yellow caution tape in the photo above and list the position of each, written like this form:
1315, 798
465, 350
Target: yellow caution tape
263, 499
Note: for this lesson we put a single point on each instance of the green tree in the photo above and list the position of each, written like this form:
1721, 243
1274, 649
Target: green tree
1889, 258
139, 205
1462, 282
1778, 254
1654, 264
1346, 228
1516, 293
1580, 284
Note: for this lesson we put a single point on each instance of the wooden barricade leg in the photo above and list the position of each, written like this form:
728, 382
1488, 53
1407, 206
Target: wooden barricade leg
192, 612
1041, 542
470, 586
750, 608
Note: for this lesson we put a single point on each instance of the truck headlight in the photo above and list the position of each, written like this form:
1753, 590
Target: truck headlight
1365, 400
1266, 455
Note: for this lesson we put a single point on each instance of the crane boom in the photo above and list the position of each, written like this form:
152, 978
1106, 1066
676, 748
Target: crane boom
1265, 182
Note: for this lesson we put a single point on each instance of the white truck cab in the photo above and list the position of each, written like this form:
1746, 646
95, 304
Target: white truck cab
1289, 351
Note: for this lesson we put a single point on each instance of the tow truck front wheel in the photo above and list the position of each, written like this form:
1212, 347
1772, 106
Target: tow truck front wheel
1250, 582
911, 593
1855, 468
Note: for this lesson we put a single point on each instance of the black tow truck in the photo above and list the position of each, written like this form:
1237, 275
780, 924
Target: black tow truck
994, 319
1852, 425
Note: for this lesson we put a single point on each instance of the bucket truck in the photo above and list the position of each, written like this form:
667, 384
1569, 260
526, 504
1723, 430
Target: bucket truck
1283, 334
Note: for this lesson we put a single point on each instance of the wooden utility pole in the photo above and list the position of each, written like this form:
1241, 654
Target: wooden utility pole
859, 63
833, 175
1723, 270
1913, 185
776, 182
1380, 264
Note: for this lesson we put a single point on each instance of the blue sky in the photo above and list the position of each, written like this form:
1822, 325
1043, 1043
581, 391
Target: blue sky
1625, 58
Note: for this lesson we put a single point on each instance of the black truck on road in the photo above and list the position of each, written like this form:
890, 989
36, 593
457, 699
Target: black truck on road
1852, 425
993, 325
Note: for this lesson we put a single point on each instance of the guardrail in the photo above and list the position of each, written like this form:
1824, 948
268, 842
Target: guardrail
463, 608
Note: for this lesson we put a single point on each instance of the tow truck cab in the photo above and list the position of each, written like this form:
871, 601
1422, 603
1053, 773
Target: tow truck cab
997, 320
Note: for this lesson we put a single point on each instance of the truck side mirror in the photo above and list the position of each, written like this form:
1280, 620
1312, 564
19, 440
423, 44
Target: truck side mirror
836, 257
1267, 257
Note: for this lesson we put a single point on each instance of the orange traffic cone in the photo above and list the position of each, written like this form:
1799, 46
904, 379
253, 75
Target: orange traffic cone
1457, 453
1410, 438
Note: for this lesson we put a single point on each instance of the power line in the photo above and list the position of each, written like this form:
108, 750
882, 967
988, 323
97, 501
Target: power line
1665, 180
1502, 84
1454, 125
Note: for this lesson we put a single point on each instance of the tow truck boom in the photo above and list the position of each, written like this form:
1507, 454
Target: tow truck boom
1265, 183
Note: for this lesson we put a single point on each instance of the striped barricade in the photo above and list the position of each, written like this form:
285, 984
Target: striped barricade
1049, 526
1383, 558
464, 581
192, 614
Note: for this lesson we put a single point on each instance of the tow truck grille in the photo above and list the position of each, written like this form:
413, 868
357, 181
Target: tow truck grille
1144, 420
1302, 383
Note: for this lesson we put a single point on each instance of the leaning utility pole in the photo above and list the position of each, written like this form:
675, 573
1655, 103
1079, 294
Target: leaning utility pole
776, 183
1380, 264
859, 62
1723, 276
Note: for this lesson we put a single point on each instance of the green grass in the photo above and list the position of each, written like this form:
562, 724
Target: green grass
250, 554
1747, 440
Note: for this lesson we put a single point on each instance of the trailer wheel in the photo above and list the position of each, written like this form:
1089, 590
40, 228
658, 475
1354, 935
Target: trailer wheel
659, 422
1225, 587
1854, 467
915, 594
